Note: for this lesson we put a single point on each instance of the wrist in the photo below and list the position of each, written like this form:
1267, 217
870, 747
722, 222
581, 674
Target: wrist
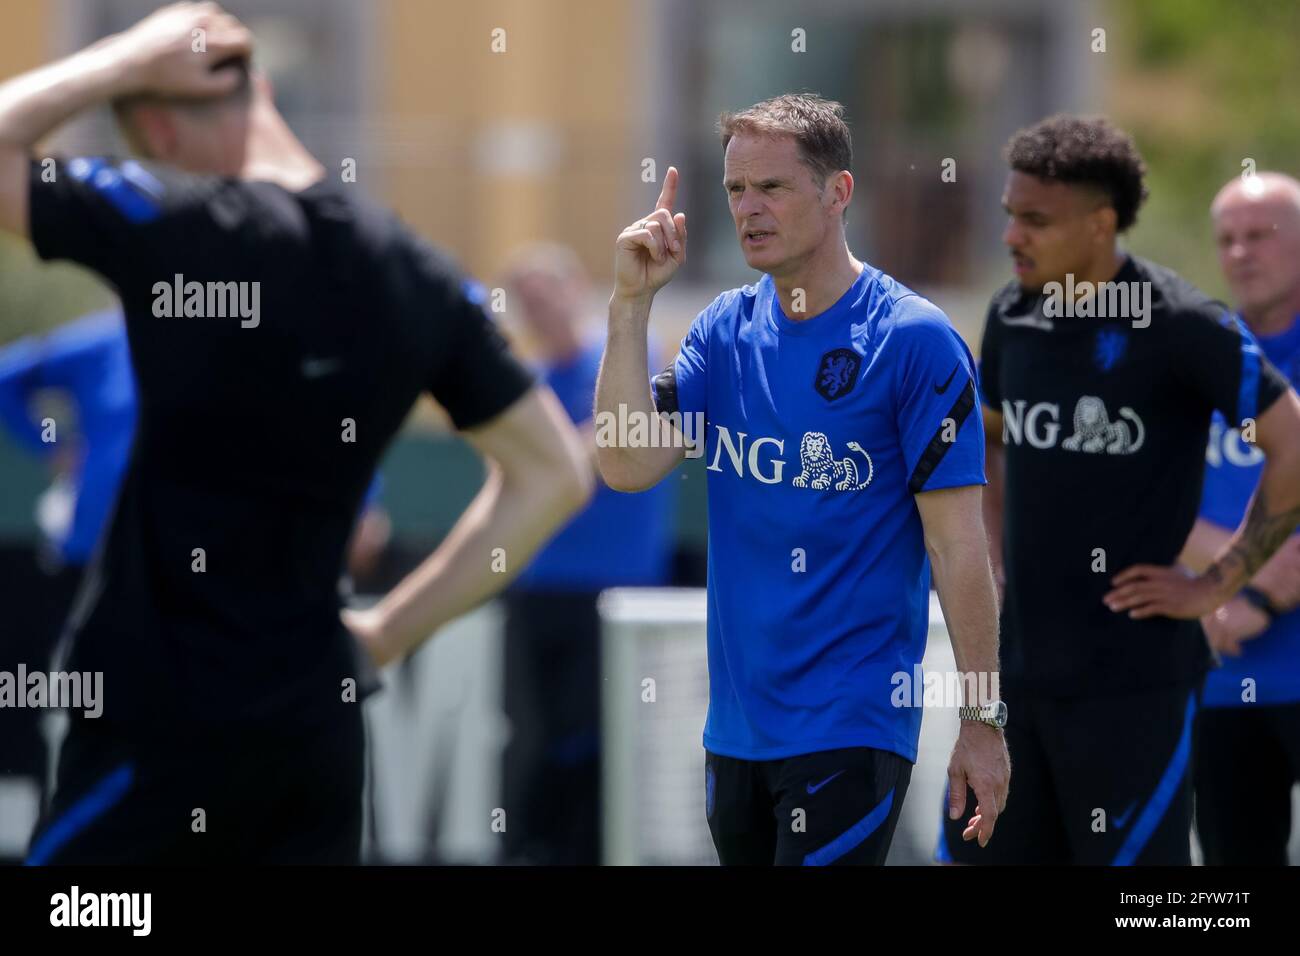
992, 714
979, 727
388, 644
1272, 589
374, 631
631, 302
1214, 582
1260, 600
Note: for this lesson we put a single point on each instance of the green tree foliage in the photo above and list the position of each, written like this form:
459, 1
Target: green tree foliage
35, 298
1203, 85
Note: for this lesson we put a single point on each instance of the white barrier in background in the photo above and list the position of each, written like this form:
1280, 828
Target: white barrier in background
436, 734
653, 758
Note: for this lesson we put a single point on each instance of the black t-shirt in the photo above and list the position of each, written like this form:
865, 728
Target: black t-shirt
1105, 428
214, 598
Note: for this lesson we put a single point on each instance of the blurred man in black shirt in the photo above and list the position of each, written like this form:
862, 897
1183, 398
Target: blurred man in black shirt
281, 327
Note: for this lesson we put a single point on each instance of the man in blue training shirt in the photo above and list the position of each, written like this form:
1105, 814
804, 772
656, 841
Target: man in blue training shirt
89, 361
1248, 747
841, 453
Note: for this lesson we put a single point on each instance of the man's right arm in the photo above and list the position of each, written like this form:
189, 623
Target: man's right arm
623, 383
1237, 621
36, 103
156, 56
647, 256
1279, 578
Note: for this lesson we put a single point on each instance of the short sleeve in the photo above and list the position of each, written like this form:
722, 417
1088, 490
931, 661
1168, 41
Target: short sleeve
1220, 361
990, 361
683, 385
97, 211
943, 443
477, 377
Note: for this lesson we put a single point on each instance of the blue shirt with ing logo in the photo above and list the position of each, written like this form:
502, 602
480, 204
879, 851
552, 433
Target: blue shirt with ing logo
819, 433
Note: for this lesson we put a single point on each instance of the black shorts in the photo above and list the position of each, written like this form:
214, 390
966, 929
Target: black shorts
1094, 781
834, 806
1247, 759
273, 796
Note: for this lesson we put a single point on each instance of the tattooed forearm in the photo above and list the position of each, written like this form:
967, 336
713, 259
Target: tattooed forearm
1254, 544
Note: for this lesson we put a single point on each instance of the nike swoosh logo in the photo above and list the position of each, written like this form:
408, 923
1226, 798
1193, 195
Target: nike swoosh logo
940, 390
1031, 322
1123, 819
319, 368
814, 787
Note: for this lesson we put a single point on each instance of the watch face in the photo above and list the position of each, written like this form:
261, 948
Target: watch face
999, 714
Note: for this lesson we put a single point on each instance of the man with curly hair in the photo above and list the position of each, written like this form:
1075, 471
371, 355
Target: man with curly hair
1099, 374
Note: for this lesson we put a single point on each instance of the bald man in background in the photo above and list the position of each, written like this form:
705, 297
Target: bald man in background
1248, 753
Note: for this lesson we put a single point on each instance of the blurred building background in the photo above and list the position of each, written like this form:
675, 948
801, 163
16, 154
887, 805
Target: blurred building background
489, 124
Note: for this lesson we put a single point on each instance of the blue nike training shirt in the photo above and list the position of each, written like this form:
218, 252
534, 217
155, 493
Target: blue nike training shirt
819, 433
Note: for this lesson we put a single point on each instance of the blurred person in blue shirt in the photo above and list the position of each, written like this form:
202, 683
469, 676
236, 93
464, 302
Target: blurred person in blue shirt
1248, 742
88, 362
85, 367
553, 677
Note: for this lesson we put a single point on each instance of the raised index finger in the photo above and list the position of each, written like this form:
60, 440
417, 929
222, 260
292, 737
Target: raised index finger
668, 195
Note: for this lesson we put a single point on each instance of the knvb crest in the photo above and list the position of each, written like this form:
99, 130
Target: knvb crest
837, 373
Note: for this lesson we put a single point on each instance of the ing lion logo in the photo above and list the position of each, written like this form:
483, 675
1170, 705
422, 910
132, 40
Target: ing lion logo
1094, 431
820, 466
